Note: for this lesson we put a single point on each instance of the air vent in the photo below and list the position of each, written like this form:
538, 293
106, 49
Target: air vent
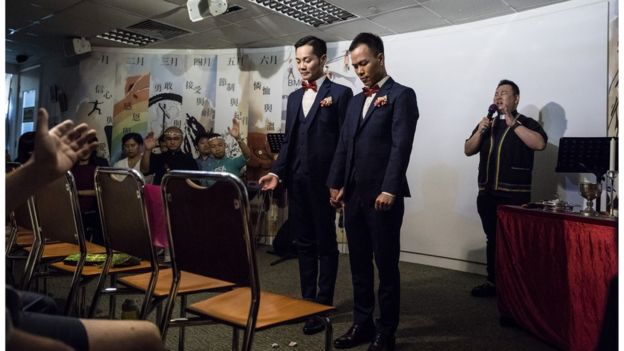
312, 12
156, 30
233, 8
128, 38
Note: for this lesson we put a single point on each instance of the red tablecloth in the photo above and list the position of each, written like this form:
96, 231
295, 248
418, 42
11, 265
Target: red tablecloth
156, 215
553, 273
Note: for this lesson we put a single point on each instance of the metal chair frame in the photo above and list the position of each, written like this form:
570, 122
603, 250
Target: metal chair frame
252, 281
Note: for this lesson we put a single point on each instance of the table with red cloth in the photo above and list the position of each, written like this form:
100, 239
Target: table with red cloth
553, 272
156, 215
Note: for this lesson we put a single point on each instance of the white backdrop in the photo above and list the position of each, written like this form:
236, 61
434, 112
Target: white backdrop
558, 57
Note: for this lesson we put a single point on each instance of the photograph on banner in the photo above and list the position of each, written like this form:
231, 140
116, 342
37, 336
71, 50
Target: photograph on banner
265, 105
199, 96
95, 99
165, 102
232, 96
339, 69
132, 87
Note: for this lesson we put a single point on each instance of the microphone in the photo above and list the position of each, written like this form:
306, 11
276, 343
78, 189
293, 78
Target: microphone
493, 108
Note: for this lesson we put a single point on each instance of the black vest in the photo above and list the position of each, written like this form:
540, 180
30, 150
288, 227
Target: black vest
299, 142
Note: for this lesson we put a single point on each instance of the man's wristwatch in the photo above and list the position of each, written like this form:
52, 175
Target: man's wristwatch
516, 125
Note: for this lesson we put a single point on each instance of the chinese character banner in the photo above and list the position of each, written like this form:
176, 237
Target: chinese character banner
198, 91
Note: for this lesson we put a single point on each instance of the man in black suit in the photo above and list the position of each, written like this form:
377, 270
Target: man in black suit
368, 177
315, 114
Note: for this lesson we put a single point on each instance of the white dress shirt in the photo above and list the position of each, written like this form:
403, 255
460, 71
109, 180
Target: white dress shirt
309, 96
369, 99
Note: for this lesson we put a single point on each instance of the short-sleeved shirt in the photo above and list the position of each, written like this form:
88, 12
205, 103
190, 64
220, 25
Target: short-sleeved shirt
170, 160
230, 165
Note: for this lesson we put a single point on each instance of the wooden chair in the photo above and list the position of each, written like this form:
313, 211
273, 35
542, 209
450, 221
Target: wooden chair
58, 232
209, 229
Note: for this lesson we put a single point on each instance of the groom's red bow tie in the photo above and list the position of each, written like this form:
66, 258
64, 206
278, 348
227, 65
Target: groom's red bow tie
307, 85
371, 91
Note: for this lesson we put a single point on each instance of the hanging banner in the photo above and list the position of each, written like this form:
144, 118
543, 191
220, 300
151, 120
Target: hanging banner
199, 97
95, 103
132, 88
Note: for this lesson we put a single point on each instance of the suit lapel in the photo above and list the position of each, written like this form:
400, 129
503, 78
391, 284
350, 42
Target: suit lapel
292, 115
382, 92
320, 95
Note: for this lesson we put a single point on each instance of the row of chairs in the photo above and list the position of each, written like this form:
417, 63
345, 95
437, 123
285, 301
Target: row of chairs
210, 246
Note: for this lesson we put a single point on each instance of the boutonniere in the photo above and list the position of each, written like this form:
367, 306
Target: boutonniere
326, 102
381, 101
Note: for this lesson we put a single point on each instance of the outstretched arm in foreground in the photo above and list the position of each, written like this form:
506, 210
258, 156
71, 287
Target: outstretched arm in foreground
56, 151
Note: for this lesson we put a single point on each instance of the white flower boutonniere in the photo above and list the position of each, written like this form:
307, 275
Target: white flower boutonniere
381, 101
326, 102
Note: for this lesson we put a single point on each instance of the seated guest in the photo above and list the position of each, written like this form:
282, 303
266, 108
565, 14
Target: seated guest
220, 162
173, 158
84, 173
25, 147
203, 148
131, 144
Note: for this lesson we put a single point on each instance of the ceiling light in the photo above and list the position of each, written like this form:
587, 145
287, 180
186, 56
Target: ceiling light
126, 37
315, 12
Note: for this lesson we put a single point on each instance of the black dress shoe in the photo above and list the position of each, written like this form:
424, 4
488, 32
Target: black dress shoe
356, 335
484, 290
382, 342
313, 326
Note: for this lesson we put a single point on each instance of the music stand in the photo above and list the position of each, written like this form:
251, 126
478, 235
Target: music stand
275, 141
584, 155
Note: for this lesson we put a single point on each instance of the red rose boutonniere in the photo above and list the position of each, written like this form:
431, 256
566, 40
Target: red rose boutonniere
381, 101
326, 102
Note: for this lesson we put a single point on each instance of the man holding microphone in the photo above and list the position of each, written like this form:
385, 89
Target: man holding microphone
506, 145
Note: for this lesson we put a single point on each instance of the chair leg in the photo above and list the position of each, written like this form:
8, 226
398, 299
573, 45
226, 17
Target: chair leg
82, 301
235, 339
328, 333
96, 296
112, 300
73, 296
181, 330
159, 311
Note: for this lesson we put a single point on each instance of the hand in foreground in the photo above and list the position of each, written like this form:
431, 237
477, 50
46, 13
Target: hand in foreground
335, 197
57, 150
268, 182
384, 202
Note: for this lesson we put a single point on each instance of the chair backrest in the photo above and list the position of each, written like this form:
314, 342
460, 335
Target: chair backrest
57, 212
123, 212
209, 226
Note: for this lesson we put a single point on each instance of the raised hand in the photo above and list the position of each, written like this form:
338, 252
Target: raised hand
149, 142
234, 131
57, 150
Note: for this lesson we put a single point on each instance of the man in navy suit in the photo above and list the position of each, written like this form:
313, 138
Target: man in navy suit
315, 114
367, 177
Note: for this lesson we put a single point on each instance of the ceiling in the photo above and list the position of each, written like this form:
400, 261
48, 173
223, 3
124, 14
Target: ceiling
42, 26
